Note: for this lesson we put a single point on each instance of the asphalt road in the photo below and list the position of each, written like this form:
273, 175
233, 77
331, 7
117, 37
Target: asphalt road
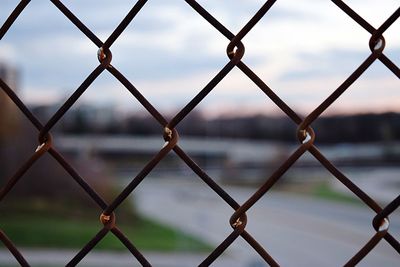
295, 230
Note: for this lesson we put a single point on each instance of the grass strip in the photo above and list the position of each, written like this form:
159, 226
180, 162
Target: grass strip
54, 232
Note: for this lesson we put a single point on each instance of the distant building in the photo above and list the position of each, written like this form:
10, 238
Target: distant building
9, 116
9, 75
10, 123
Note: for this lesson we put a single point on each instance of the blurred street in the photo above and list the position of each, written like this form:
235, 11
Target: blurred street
295, 230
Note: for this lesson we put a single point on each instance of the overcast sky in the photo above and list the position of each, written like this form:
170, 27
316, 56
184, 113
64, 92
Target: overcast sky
303, 49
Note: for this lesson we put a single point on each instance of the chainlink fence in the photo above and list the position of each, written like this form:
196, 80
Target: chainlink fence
235, 51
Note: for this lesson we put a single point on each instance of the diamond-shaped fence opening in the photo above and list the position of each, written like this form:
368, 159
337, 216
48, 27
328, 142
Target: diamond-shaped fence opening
241, 210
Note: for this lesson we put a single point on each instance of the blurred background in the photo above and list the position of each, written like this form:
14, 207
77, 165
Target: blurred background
302, 49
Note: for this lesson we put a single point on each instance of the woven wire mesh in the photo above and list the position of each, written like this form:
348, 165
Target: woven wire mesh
235, 51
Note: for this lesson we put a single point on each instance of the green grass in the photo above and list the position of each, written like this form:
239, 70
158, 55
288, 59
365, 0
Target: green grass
146, 234
321, 190
45, 224
325, 191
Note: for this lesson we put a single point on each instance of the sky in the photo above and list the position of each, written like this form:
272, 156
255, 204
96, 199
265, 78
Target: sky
302, 49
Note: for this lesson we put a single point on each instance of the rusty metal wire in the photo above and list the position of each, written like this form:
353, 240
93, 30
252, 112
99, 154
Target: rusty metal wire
235, 51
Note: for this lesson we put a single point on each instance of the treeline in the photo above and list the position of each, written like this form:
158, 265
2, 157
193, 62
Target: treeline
330, 129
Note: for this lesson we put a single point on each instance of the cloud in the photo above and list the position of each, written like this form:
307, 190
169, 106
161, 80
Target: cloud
324, 65
8, 53
302, 50
40, 96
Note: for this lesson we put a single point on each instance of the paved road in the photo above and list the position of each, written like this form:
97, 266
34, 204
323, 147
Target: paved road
296, 231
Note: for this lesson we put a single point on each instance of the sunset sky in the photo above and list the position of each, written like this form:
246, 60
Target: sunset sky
302, 49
